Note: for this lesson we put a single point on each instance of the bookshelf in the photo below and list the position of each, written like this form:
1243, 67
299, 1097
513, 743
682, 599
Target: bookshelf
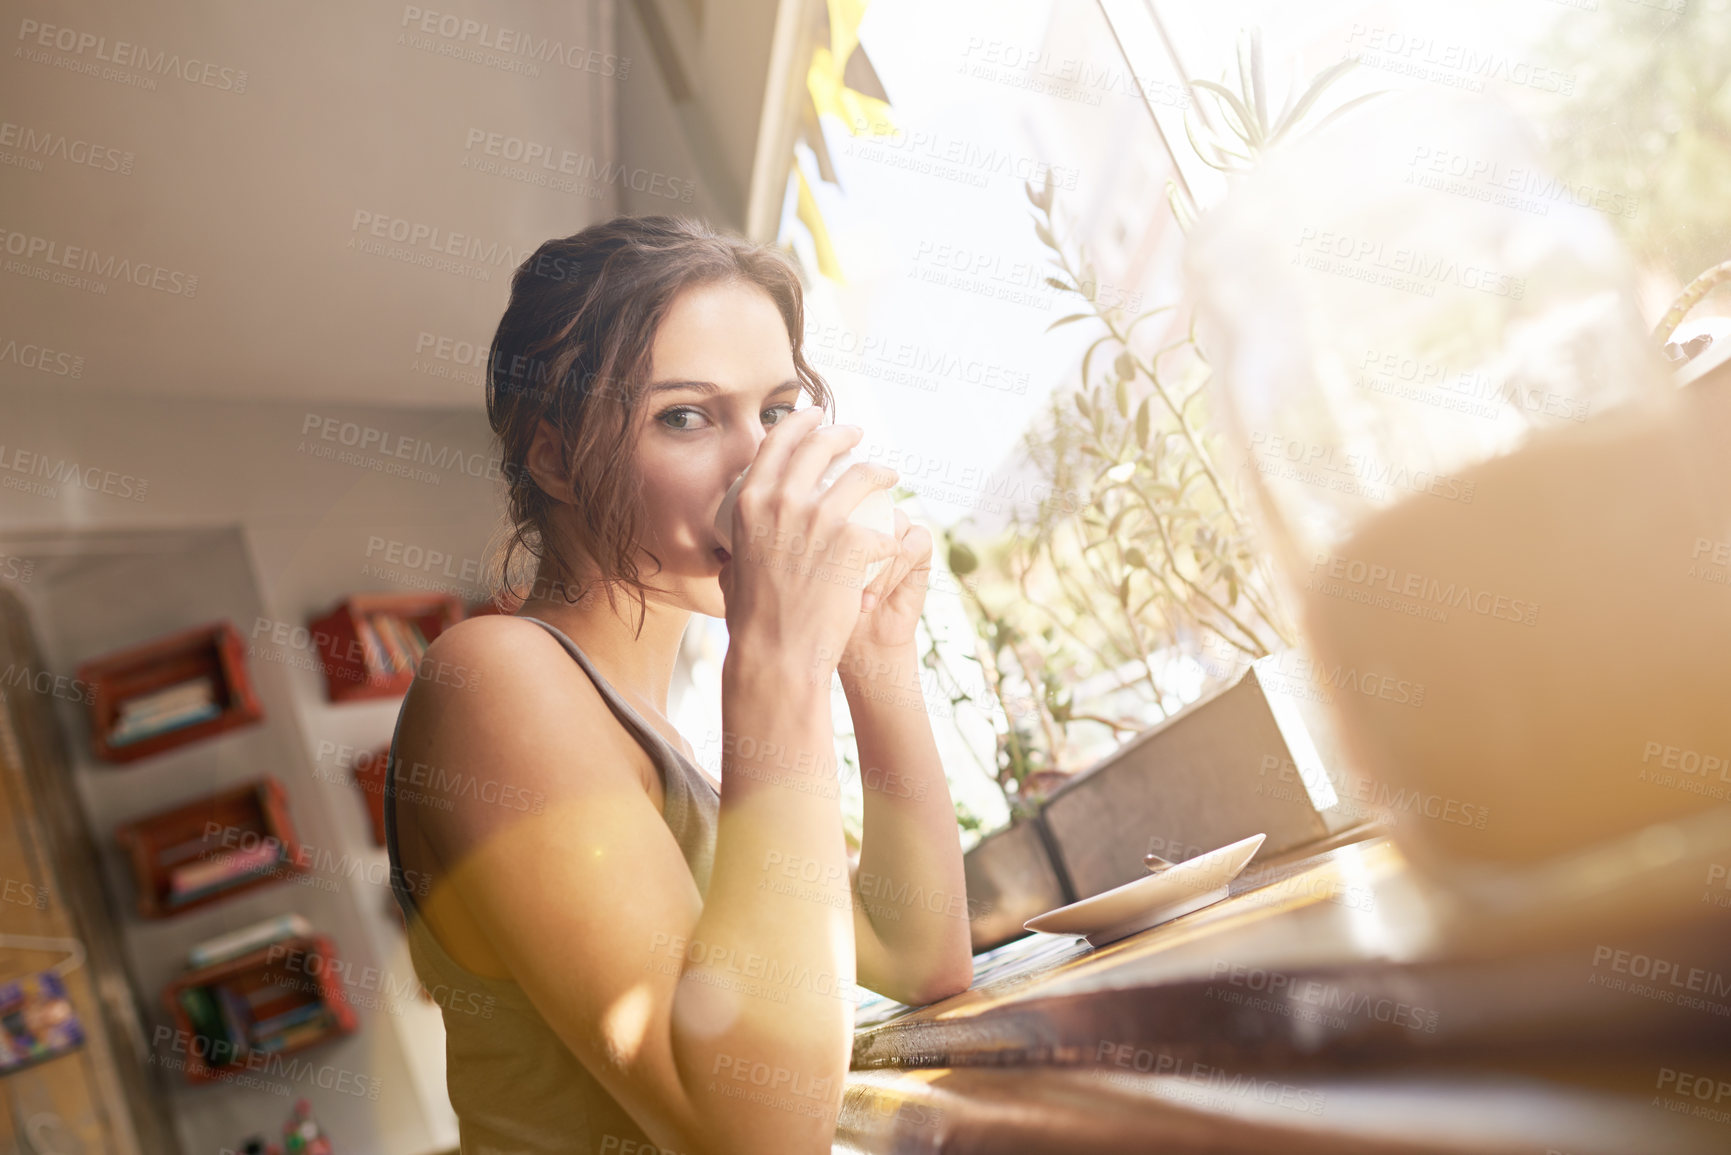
371, 644
166, 693
211, 849
278, 999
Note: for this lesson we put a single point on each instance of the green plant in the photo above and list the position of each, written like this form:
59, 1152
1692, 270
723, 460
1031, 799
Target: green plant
1144, 547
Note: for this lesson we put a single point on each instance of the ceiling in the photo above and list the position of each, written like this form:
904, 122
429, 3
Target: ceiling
326, 203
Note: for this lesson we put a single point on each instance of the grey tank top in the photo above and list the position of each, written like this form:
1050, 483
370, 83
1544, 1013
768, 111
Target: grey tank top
515, 1086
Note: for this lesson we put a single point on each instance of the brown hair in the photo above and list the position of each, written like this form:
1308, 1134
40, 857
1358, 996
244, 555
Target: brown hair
573, 348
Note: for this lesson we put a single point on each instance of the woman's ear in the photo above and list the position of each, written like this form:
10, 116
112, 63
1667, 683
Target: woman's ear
547, 463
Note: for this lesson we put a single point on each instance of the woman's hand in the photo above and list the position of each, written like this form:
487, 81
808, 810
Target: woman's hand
796, 581
893, 601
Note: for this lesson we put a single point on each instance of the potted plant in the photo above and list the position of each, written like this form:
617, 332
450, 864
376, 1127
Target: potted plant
1084, 605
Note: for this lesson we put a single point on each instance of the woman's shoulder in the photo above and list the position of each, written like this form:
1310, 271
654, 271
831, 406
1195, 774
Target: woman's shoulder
467, 652
500, 679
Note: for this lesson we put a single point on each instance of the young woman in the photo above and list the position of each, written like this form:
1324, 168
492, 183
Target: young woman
624, 950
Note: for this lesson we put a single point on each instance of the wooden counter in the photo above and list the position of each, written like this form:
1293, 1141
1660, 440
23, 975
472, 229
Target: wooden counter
1340, 1003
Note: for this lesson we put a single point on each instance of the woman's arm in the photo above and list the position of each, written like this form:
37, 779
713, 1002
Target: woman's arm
911, 913
724, 1028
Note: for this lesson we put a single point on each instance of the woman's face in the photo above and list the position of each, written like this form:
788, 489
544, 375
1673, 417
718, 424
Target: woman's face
720, 374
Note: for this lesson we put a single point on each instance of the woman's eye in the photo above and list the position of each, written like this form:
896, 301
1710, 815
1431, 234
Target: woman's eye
783, 410
677, 413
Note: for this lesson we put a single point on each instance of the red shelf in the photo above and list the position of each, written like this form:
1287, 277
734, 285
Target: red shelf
348, 676
215, 650
218, 824
284, 974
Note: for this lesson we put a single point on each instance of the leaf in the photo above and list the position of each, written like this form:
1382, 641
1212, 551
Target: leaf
1067, 320
962, 560
1121, 395
1061, 286
1348, 107
1125, 366
1045, 235
1134, 556
1257, 86
1089, 356
1143, 425
1251, 133
1082, 403
1317, 86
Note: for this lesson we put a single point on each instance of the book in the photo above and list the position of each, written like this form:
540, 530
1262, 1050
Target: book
169, 699
235, 1021
125, 734
228, 865
201, 1011
248, 938
295, 1036
293, 1017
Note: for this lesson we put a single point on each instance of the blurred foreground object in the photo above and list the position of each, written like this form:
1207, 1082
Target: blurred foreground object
1476, 474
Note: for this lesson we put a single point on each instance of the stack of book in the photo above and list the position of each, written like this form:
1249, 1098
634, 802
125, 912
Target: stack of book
203, 876
392, 644
169, 708
247, 939
256, 1011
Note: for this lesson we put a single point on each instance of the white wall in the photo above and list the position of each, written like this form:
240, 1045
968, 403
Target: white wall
240, 520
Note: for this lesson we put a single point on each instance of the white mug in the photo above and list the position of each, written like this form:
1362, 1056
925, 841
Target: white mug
875, 511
